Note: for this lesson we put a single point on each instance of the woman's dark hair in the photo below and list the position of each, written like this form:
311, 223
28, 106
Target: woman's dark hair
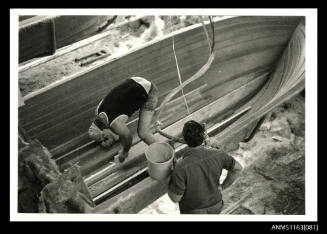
99, 122
193, 133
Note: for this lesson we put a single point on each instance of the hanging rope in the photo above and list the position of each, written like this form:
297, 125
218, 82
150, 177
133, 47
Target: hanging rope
178, 72
206, 32
197, 75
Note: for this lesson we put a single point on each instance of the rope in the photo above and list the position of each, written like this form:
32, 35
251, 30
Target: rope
207, 35
197, 75
178, 72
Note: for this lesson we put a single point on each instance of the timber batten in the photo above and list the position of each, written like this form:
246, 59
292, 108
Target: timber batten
42, 35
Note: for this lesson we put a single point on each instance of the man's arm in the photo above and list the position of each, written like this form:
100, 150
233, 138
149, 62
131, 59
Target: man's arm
174, 197
176, 139
175, 181
232, 175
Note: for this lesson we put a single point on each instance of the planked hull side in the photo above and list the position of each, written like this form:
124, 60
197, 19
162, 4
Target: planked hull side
243, 45
259, 62
286, 80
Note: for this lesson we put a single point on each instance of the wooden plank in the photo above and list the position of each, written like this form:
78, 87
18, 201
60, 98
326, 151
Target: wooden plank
211, 110
50, 105
131, 124
190, 35
115, 183
74, 46
107, 185
135, 198
52, 132
50, 120
90, 165
281, 86
142, 194
34, 35
97, 157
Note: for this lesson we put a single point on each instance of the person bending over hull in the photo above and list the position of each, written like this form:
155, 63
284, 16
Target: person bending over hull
113, 111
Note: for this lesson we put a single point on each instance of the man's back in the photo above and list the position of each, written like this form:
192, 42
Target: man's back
197, 177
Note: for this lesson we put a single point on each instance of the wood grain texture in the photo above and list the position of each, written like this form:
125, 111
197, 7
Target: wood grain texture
63, 112
116, 173
247, 50
285, 81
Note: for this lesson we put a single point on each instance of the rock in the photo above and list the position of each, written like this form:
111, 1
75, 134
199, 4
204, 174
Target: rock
134, 24
269, 211
278, 186
289, 158
190, 20
297, 125
155, 30
299, 142
265, 126
247, 154
281, 127
244, 146
256, 207
148, 19
230, 146
278, 138
279, 150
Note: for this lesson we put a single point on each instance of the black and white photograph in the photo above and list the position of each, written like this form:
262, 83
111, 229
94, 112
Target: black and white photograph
163, 114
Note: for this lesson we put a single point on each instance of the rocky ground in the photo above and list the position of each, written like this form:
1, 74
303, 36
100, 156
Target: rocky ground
273, 162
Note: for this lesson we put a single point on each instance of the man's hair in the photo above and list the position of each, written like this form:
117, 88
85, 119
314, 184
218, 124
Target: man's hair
193, 133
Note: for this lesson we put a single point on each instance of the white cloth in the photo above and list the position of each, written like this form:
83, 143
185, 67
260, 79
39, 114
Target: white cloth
145, 83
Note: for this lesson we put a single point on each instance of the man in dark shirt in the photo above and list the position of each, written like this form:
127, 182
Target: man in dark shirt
111, 114
194, 182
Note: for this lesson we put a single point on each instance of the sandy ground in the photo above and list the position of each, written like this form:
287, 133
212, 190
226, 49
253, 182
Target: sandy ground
273, 162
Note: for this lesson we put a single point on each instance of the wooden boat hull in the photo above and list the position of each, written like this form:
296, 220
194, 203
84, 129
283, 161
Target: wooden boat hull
248, 54
42, 35
284, 82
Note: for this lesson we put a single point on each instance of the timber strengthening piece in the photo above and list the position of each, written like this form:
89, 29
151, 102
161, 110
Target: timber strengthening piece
42, 35
259, 63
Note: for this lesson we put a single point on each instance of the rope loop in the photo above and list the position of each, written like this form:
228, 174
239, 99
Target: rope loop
197, 75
